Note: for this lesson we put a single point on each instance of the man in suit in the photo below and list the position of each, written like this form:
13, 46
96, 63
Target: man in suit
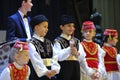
18, 23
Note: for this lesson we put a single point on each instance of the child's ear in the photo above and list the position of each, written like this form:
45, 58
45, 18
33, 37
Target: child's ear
15, 56
61, 27
94, 33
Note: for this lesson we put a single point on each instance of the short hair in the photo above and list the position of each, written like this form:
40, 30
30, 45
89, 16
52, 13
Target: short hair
19, 3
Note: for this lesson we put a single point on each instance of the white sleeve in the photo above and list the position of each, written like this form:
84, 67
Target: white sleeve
63, 54
55, 65
5, 75
37, 61
89, 71
82, 55
118, 61
101, 66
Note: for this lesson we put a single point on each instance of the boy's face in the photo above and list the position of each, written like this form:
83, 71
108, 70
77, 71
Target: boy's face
89, 34
67, 28
28, 5
42, 29
22, 57
113, 41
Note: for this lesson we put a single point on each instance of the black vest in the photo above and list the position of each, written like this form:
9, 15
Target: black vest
45, 50
64, 43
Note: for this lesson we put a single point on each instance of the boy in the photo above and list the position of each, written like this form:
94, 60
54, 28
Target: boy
111, 64
43, 62
94, 53
18, 69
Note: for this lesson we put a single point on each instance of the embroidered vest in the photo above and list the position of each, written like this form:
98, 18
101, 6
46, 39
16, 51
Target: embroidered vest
91, 50
43, 48
110, 58
64, 43
18, 74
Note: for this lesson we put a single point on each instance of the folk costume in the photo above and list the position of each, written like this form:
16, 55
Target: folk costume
42, 54
42, 58
111, 58
67, 61
94, 54
15, 71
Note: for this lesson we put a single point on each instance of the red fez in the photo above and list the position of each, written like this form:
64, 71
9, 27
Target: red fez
21, 45
88, 25
110, 32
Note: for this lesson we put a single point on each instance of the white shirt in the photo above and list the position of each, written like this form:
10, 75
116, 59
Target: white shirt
25, 21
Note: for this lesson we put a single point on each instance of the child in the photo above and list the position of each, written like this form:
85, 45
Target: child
43, 62
94, 53
111, 65
18, 69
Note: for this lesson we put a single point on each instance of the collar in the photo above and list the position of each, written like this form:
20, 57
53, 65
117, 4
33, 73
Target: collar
106, 44
87, 40
66, 36
39, 38
17, 65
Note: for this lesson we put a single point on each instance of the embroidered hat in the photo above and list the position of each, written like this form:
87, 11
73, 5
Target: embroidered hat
110, 32
66, 19
21, 45
87, 25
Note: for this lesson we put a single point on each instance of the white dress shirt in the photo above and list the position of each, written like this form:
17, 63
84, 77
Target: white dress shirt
25, 21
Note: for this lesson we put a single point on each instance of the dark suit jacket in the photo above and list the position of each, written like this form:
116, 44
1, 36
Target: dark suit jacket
16, 28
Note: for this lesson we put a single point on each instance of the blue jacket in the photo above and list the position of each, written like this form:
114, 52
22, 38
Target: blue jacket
16, 28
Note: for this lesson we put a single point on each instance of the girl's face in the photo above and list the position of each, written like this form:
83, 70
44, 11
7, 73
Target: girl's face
113, 41
42, 29
22, 57
68, 29
89, 34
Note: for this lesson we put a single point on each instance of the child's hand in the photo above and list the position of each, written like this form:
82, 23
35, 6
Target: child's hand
50, 73
95, 76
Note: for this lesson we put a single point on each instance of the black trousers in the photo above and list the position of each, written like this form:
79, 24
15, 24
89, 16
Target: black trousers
70, 70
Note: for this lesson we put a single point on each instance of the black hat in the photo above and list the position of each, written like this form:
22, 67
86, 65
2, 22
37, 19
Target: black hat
37, 20
66, 19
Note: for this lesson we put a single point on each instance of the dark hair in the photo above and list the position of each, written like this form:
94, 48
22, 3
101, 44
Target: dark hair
19, 3
105, 38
